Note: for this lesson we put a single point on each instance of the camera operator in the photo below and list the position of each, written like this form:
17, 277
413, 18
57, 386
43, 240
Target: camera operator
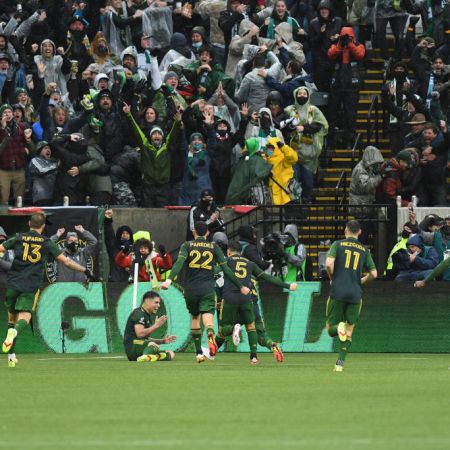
345, 84
287, 255
121, 240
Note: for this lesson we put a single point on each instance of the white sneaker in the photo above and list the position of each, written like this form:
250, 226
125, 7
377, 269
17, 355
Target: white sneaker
207, 354
10, 336
236, 336
254, 361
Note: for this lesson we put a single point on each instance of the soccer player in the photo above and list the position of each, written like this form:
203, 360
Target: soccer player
31, 251
345, 262
438, 270
139, 346
237, 308
200, 256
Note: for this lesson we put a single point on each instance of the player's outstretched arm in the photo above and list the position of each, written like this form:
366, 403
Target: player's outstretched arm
259, 273
438, 270
176, 267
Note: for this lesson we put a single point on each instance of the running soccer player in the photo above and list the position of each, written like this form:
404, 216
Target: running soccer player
23, 280
345, 262
200, 256
438, 270
237, 308
139, 346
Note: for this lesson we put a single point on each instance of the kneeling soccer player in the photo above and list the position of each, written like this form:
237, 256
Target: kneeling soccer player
139, 346
345, 261
238, 308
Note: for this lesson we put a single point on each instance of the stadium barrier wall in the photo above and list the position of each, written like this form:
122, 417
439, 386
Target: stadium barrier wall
395, 317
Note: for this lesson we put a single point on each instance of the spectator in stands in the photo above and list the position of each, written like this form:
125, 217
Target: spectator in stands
391, 172
43, 169
179, 53
53, 117
411, 178
279, 15
295, 256
205, 210
121, 240
6, 259
394, 13
323, 31
422, 260
401, 104
263, 127
15, 144
205, 75
149, 264
366, 177
197, 171
417, 123
346, 54
155, 160
230, 20
283, 159
296, 77
253, 88
434, 154
73, 250
309, 128
436, 232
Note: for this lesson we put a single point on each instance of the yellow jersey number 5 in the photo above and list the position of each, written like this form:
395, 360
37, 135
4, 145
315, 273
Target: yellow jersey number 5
200, 260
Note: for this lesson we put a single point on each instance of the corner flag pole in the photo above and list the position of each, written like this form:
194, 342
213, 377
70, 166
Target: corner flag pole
135, 284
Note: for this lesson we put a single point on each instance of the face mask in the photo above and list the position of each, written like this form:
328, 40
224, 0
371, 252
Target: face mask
269, 152
400, 76
222, 132
302, 100
197, 44
405, 234
198, 147
72, 246
157, 144
265, 122
101, 49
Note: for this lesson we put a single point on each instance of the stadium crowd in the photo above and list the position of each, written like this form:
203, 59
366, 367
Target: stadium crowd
149, 103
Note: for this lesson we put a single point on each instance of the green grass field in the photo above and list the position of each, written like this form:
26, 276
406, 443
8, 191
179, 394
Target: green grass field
381, 401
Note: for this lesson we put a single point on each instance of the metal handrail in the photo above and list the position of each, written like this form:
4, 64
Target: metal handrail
341, 184
372, 126
355, 148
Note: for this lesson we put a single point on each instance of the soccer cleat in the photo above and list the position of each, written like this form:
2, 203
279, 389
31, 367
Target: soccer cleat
9, 341
254, 361
12, 360
200, 358
277, 353
147, 358
236, 334
207, 355
213, 348
338, 368
342, 331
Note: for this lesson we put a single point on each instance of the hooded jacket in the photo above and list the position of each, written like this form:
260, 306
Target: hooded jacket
282, 160
295, 254
55, 67
261, 132
254, 89
346, 76
114, 244
248, 246
365, 181
248, 172
427, 259
309, 142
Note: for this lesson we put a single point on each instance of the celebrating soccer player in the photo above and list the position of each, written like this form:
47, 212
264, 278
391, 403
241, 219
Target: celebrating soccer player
31, 251
139, 346
345, 261
200, 257
237, 308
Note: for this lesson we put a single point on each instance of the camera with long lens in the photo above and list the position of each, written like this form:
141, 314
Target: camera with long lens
273, 250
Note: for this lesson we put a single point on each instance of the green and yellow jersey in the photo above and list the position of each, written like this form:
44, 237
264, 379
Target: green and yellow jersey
246, 271
137, 316
199, 257
350, 258
31, 250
